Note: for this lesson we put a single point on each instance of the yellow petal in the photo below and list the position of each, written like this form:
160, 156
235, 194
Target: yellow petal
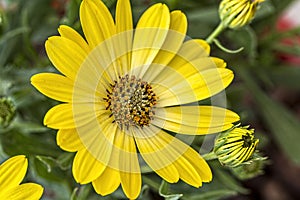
66, 55
177, 89
113, 56
98, 27
210, 82
12, 172
156, 145
107, 182
54, 86
68, 140
160, 162
199, 164
98, 138
174, 39
195, 120
94, 73
204, 45
172, 44
168, 173
68, 116
71, 34
131, 184
27, 191
187, 172
193, 49
124, 28
178, 22
154, 25
182, 68
192, 130
97, 22
61, 88
110, 179
129, 167
123, 16
198, 65
86, 168
157, 16
60, 116
190, 59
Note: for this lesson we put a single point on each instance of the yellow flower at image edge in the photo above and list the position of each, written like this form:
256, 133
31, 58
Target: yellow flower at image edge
12, 173
238, 13
121, 89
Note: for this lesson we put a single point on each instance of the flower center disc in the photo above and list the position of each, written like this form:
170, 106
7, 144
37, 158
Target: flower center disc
131, 102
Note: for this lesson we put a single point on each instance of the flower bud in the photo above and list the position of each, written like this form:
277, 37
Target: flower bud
252, 168
237, 13
7, 111
235, 146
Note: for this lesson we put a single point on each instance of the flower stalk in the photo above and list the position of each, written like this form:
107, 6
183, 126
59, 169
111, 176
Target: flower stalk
234, 14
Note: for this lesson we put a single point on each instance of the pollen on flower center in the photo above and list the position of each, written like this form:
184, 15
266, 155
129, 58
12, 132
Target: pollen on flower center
131, 102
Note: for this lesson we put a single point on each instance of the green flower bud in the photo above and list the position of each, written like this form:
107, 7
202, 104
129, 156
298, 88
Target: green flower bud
7, 111
235, 146
252, 168
237, 13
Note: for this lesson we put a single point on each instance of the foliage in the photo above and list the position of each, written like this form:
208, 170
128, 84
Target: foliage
260, 71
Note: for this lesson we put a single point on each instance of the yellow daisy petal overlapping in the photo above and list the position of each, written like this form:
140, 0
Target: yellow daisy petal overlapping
12, 172
114, 59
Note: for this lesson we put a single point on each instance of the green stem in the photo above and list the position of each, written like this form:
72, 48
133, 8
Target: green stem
215, 33
220, 28
154, 185
210, 156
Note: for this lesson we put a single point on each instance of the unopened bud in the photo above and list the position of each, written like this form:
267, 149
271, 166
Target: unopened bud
235, 146
238, 13
7, 111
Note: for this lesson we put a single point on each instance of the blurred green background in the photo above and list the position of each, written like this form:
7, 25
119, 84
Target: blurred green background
265, 92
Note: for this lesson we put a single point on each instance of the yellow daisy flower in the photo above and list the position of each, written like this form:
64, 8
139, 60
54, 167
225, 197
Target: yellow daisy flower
238, 13
122, 89
12, 173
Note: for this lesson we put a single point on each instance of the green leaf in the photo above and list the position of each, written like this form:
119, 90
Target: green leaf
285, 76
13, 33
213, 195
207, 15
14, 142
284, 125
230, 182
2, 154
29, 127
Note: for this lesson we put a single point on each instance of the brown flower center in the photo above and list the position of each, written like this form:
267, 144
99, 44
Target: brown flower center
131, 102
